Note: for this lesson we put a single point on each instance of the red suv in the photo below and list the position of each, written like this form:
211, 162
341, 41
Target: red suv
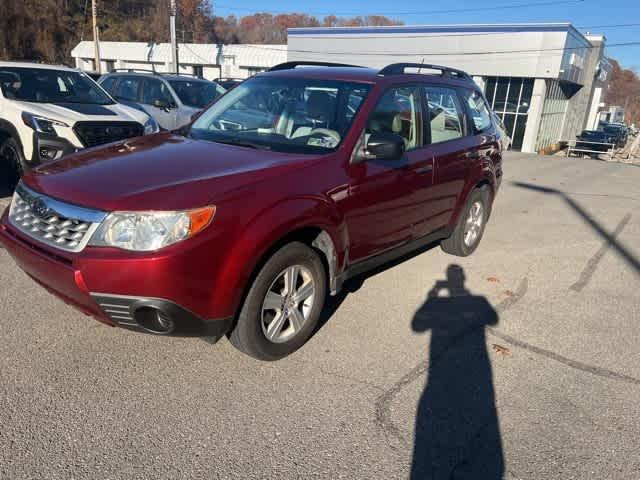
242, 224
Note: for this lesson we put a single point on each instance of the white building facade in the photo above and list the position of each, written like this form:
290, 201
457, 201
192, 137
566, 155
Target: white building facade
210, 61
539, 78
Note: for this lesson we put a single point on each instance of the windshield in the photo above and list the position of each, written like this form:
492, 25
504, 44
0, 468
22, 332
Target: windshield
283, 114
50, 86
195, 93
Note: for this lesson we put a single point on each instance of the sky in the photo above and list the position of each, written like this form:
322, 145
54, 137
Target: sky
611, 18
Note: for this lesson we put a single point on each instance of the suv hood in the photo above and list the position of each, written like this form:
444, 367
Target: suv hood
158, 172
70, 113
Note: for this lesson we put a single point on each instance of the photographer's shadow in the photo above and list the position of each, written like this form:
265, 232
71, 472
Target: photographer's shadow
457, 433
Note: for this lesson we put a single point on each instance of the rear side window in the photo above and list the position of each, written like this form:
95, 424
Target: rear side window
127, 89
445, 114
479, 111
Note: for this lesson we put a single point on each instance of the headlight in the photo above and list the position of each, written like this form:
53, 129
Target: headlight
148, 231
41, 124
151, 126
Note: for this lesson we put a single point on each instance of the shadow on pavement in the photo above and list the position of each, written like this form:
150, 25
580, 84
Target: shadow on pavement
457, 435
589, 220
354, 284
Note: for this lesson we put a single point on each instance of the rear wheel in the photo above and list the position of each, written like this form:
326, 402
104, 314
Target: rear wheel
12, 163
283, 305
468, 231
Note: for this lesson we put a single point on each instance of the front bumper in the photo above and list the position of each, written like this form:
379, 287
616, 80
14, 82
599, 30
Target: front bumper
47, 148
68, 279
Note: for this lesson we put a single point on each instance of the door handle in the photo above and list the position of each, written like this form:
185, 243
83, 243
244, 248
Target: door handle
425, 169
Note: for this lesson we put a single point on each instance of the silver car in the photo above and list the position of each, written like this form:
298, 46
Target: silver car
171, 100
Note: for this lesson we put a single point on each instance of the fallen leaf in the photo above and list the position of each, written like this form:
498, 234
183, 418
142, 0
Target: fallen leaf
500, 350
492, 279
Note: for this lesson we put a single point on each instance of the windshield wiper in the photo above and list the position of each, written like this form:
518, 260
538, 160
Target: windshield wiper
243, 143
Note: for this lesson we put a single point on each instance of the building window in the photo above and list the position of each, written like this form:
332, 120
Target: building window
111, 65
251, 71
198, 71
510, 98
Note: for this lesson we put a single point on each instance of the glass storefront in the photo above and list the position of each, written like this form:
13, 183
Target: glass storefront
510, 98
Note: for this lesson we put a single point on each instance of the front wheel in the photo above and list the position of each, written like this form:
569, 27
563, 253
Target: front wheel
12, 163
470, 226
283, 305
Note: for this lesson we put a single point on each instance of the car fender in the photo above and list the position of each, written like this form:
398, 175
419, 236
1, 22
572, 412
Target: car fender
256, 240
483, 172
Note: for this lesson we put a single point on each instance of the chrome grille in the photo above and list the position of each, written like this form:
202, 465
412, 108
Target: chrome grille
52, 222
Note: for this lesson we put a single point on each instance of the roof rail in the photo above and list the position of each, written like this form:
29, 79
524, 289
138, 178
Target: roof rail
399, 68
291, 65
134, 70
155, 72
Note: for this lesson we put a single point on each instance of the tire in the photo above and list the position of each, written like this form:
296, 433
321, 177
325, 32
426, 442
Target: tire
456, 243
12, 163
290, 330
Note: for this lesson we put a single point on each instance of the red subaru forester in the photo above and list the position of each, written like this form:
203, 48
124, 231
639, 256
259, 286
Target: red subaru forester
242, 224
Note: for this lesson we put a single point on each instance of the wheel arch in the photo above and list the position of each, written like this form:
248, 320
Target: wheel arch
314, 222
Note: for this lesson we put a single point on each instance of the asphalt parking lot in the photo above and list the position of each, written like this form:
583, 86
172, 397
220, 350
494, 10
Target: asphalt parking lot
531, 368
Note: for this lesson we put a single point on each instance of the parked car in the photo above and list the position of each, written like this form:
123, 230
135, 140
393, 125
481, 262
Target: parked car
246, 231
617, 132
172, 100
49, 111
229, 83
594, 140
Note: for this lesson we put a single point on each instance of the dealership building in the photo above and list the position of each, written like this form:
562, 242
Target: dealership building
546, 81
207, 60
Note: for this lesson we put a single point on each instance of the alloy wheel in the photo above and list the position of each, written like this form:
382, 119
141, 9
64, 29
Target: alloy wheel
288, 304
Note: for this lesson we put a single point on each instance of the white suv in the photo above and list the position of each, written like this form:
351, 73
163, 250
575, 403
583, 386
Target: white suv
49, 111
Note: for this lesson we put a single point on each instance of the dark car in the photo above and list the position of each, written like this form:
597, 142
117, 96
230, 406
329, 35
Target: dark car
617, 132
245, 231
595, 140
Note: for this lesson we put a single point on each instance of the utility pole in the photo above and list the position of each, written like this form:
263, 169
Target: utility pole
174, 41
96, 40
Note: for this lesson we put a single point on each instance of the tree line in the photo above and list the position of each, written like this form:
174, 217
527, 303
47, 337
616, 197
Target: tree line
47, 30
624, 91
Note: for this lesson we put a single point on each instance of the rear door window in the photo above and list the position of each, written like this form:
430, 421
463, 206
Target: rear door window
445, 113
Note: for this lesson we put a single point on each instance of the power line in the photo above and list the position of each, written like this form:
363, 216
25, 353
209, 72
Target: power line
411, 12
464, 34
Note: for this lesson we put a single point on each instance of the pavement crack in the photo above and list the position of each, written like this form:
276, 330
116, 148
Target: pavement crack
594, 370
592, 263
584, 367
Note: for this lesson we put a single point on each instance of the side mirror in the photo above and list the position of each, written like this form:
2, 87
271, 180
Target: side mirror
384, 146
160, 103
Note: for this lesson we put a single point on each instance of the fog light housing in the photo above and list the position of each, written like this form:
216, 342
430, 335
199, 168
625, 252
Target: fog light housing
48, 153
